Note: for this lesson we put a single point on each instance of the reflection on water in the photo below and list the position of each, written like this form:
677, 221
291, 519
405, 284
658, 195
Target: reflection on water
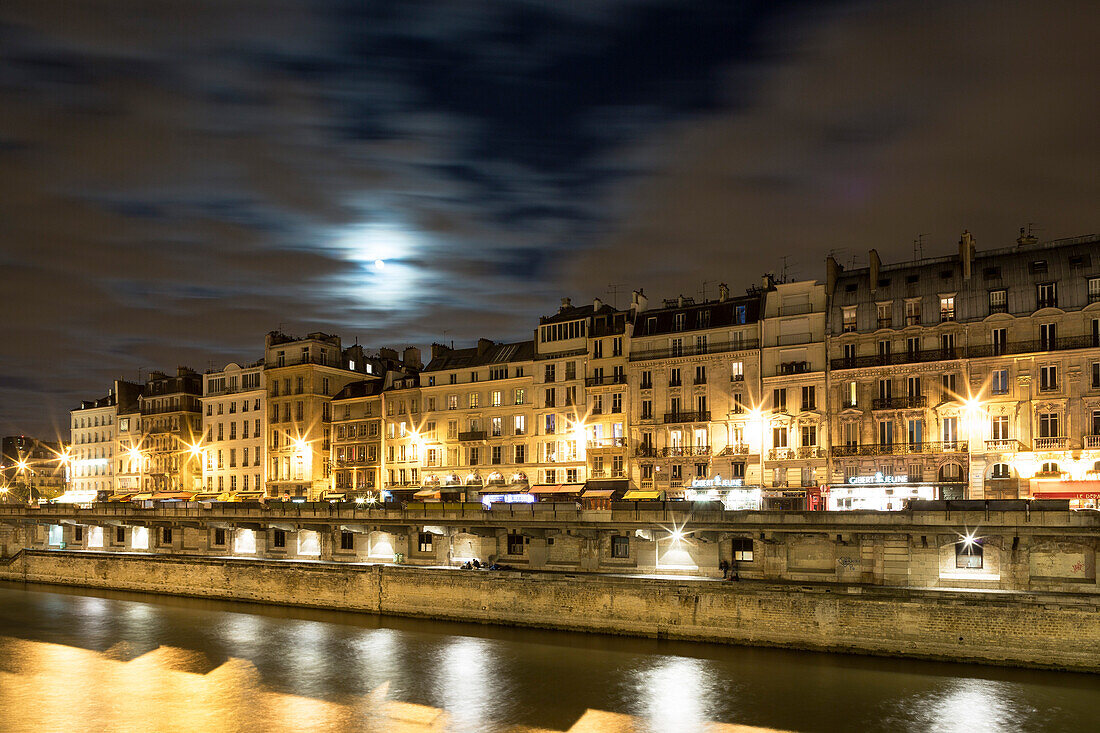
79, 660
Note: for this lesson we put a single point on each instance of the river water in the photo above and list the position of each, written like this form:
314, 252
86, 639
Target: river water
76, 660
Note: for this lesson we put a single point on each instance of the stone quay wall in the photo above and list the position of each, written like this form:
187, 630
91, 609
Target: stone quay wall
1028, 550
1051, 630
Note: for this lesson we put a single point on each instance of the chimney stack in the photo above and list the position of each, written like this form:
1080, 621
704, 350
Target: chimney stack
565, 304
723, 292
411, 357
483, 345
966, 252
876, 265
596, 304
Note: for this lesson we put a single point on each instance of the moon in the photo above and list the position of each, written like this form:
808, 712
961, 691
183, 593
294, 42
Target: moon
379, 264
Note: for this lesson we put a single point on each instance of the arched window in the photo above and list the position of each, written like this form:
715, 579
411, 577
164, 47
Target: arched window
1001, 470
951, 472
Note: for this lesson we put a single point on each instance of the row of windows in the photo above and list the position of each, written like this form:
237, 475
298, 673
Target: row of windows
218, 432
214, 459
233, 407
299, 386
1046, 296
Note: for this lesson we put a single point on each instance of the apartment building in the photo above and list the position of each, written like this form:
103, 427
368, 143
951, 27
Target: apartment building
301, 376
32, 469
975, 374
234, 429
171, 432
402, 439
605, 422
95, 460
694, 381
357, 441
793, 414
477, 430
580, 399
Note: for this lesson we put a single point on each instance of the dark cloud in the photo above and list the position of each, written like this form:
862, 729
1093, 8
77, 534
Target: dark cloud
179, 178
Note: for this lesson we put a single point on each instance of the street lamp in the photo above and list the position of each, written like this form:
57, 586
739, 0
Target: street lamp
972, 406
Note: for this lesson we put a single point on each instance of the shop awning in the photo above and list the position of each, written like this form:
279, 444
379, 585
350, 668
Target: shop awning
211, 496
557, 489
140, 497
612, 484
598, 494
427, 494
504, 489
1054, 489
637, 495
173, 496
120, 497
247, 496
334, 496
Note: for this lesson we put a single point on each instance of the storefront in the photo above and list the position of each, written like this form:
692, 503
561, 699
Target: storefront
732, 492
1081, 494
879, 492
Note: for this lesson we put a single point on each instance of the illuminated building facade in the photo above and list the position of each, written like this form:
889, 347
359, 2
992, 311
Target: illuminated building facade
793, 368
95, 460
233, 429
32, 468
171, 427
477, 432
694, 379
976, 373
357, 440
301, 377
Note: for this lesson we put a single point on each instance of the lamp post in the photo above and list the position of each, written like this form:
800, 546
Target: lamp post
973, 406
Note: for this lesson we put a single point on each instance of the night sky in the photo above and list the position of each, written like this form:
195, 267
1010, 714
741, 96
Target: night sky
179, 177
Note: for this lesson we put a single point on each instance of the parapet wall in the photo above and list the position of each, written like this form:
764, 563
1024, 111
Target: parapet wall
1051, 630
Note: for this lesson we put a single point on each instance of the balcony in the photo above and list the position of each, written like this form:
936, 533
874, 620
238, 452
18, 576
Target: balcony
682, 451
900, 449
811, 451
700, 380
737, 449
908, 402
472, 435
645, 451
675, 383
737, 377
1004, 445
884, 322
710, 347
605, 380
1066, 343
646, 385
1059, 443
848, 404
607, 443
780, 454
1092, 441
678, 417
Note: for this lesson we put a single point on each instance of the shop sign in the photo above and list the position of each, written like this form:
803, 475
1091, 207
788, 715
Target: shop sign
717, 483
879, 478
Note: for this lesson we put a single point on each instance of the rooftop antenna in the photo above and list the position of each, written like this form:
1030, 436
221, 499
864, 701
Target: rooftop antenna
918, 246
703, 290
613, 291
784, 276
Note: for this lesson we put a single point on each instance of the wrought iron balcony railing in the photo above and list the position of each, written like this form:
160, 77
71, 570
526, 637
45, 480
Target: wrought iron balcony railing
1065, 343
904, 402
898, 449
696, 416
